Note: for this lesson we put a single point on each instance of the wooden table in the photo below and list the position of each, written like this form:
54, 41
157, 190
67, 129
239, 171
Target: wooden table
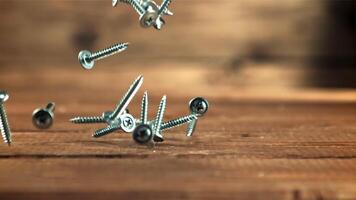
252, 144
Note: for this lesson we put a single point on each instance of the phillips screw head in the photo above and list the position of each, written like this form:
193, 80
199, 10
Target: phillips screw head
42, 118
199, 106
143, 134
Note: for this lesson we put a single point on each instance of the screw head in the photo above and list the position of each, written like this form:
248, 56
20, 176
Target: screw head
84, 61
199, 106
42, 119
142, 134
3, 96
128, 123
151, 15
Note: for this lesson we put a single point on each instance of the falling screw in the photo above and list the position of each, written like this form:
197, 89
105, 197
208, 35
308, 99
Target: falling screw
42, 118
4, 124
86, 58
198, 106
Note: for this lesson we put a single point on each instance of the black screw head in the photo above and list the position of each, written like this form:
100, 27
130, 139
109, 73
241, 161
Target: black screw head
142, 134
42, 119
199, 106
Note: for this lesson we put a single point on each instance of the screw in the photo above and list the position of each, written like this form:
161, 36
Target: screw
198, 106
128, 123
105, 131
42, 118
164, 7
178, 122
91, 120
158, 121
86, 58
143, 134
126, 99
144, 108
147, 15
4, 124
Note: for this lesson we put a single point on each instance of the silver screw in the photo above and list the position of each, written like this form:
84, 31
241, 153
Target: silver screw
146, 133
198, 106
158, 121
105, 131
178, 122
126, 99
86, 58
144, 108
4, 124
42, 118
91, 120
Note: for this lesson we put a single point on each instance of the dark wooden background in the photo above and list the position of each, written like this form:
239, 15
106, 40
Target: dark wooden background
279, 75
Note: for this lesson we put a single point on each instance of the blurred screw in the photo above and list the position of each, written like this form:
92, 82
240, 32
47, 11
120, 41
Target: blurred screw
4, 124
198, 106
42, 118
86, 58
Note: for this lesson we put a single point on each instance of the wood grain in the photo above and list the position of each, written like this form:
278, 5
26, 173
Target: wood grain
247, 147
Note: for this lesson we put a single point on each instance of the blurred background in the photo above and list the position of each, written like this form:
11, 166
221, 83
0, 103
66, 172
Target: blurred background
245, 48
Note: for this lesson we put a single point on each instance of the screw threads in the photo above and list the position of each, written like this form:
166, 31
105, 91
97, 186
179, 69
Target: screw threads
105, 131
160, 113
178, 122
124, 102
144, 108
164, 7
4, 125
87, 120
191, 127
136, 5
108, 51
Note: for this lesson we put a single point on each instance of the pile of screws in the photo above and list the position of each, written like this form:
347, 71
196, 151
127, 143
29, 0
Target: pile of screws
143, 131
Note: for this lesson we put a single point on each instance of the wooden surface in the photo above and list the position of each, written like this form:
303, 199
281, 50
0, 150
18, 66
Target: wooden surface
270, 133
249, 146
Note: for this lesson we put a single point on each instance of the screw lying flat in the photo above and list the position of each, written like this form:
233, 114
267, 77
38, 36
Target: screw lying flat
198, 106
87, 59
4, 124
42, 118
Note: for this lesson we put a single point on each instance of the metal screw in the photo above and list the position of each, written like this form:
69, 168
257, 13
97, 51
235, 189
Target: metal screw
198, 106
86, 58
178, 122
92, 120
42, 118
128, 123
126, 99
4, 124
143, 134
